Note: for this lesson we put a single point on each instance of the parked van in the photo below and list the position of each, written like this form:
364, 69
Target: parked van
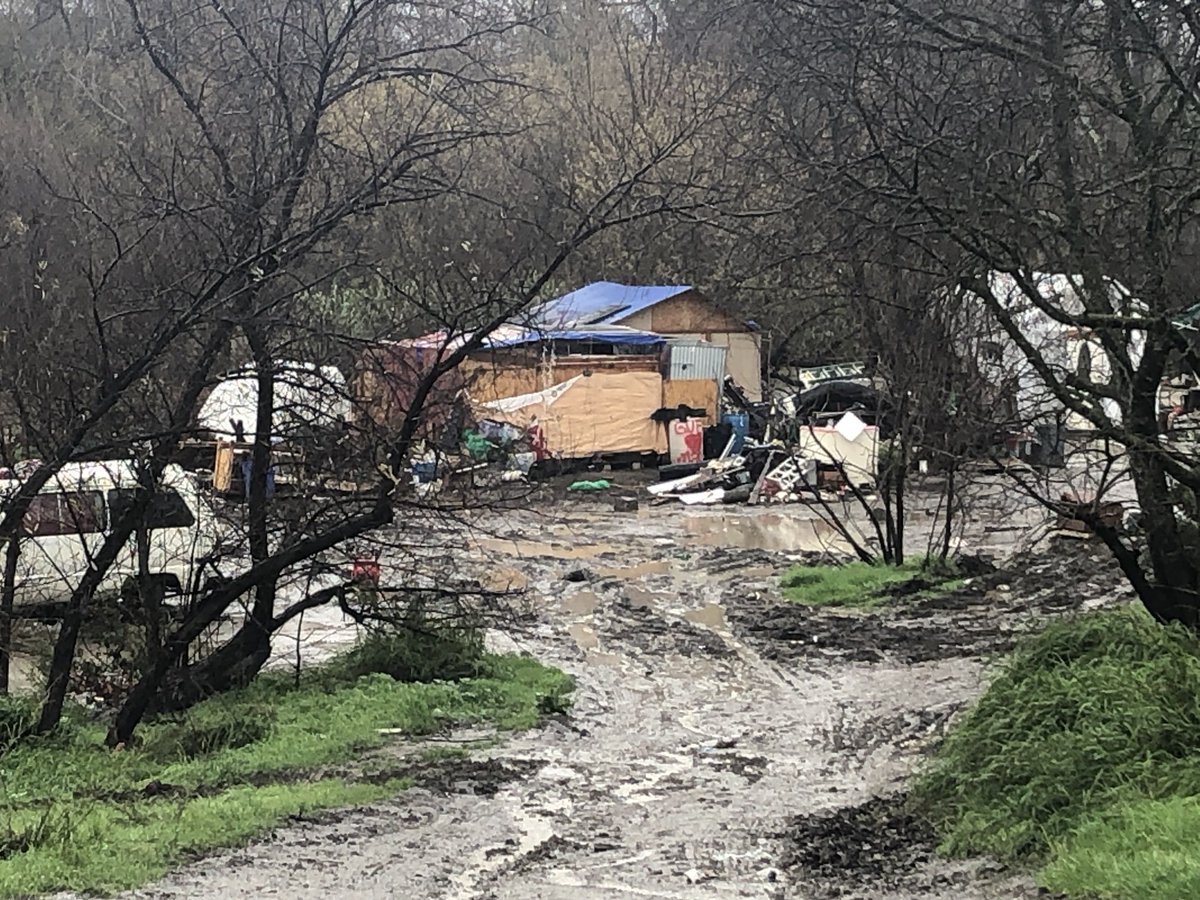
66, 524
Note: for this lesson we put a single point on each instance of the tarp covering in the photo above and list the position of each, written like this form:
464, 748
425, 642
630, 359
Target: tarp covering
587, 415
613, 334
601, 302
516, 335
306, 397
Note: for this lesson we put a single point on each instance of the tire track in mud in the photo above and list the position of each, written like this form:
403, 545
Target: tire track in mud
713, 744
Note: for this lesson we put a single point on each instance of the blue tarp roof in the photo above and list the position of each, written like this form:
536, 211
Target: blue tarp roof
600, 303
614, 335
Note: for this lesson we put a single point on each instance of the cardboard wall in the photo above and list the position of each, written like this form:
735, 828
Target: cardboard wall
606, 412
487, 380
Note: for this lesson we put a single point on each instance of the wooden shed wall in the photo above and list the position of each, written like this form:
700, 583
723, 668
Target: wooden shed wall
684, 314
487, 379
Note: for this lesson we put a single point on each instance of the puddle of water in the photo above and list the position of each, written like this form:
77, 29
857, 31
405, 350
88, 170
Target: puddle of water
644, 599
612, 660
533, 830
766, 532
545, 549
505, 578
581, 603
755, 572
650, 567
583, 636
711, 615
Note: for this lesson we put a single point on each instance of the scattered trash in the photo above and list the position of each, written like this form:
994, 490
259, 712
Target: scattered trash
522, 462
578, 575
716, 495
477, 445
625, 504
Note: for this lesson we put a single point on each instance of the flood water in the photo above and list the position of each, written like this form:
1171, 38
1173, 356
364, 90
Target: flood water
765, 531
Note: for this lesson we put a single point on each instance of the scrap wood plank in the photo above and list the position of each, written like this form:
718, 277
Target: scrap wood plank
670, 487
763, 475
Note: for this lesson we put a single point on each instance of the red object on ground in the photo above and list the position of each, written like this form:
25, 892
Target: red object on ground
365, 570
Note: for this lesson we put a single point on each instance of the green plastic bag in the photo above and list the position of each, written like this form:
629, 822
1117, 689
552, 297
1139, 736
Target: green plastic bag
477, 445
600, 485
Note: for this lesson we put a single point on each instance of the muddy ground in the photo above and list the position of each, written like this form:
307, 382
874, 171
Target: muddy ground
722, 744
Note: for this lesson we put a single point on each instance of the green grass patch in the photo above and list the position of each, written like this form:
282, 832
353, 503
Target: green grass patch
107, 847
76, 816
864, 585
1142, 849
1083, 755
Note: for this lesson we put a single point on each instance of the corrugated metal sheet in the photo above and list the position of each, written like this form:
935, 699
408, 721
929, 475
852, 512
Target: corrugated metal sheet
697, 360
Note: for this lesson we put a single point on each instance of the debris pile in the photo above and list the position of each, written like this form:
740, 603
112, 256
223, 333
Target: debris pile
761, 473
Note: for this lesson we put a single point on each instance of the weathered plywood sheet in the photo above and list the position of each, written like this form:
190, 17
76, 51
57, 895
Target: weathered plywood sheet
698, 394
487, 381
589, 415
684, 313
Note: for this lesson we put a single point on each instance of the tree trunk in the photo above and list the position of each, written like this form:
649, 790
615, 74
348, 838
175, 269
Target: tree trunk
65, 644
150, 595
948, 533
1173, 596
234, 664
8, 591
263, 609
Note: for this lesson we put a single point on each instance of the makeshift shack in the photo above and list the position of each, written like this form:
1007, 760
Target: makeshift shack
656, 387
518, 361
677, 311
388, 376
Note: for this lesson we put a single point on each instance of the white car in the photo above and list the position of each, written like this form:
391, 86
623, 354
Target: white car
66, 525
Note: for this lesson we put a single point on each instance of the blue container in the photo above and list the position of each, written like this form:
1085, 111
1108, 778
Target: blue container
740, 423
424, 471
246, 466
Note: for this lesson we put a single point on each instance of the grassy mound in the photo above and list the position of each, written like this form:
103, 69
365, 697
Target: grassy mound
76, 816
1085, 748
1140, 849
863, 585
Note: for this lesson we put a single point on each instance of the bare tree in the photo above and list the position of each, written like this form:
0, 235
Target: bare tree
1037, 138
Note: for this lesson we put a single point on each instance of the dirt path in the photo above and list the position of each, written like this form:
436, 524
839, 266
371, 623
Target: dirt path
721, 745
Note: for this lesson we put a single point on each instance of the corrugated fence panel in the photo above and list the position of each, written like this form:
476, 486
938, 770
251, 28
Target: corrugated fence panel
696, 360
